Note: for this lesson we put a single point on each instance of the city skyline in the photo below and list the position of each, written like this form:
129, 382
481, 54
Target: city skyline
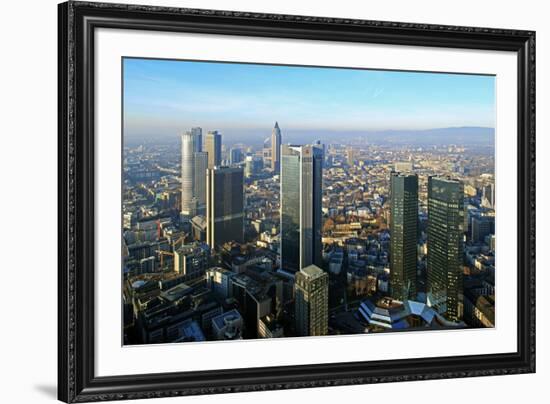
279, 237
163, 96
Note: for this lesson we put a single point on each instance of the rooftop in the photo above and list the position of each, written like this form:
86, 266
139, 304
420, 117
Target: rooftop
312, 271
176, 293
221, 321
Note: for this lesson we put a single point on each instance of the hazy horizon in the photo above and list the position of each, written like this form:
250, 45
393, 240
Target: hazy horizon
255, 137
166, 97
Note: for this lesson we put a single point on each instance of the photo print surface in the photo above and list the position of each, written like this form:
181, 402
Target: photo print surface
272, 201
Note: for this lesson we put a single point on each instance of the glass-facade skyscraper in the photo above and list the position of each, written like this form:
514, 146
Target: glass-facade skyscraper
301, 203
445, 245
201, 164
213, 146
311, 303
191, 143
404, 234
224, 205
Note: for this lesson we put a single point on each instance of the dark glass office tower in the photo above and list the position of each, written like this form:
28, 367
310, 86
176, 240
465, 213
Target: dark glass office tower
445, 245
224, 206
301, 193
404, 233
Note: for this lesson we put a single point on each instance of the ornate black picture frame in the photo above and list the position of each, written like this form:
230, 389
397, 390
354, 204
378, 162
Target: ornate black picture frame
77, 23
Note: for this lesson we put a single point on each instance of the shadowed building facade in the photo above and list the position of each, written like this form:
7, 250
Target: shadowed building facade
404, 233
445, 245
201, 164
224, 206
301, 203
311, 303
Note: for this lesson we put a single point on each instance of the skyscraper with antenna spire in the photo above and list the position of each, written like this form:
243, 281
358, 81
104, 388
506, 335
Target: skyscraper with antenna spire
276, 148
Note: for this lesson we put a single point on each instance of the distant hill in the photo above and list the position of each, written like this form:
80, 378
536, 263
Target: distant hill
457, 135
460, 135
467, 135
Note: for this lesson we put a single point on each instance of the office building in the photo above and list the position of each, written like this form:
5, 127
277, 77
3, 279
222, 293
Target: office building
198, 227
404, 233
235, 155
488, 196
481, 227
224, 206
266, 152
259, 294
301, 193
350, 156
191, 260
324, 147
199, 183
228, 326
213, 146
269, 327
445, 245
403, 166
252, 166
191, 143
311, 302
389, 314
218, 280
276, 148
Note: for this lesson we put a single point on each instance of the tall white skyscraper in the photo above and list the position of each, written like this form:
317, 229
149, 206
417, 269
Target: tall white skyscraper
191, 143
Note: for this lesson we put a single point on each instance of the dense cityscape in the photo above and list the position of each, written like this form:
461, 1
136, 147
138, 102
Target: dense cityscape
225, 240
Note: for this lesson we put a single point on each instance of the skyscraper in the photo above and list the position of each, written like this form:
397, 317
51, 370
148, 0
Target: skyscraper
488, 196
324, 147
191, 260
311, 303
235, 155
404, 233
301, 193
201, 164
213, 146
350, 156
191, 143
224, 205
276, 148
445, 245
252, 166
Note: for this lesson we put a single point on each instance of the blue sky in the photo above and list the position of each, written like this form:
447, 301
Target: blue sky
167, 97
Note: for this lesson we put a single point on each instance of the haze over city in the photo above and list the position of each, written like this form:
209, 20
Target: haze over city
272, 201
161, 97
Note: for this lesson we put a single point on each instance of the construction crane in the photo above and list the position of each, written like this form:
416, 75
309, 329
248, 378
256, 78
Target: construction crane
180, 241
174, 246
162, 253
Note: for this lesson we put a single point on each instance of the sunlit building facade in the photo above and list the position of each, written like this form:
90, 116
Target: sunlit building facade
301, 203
311, 303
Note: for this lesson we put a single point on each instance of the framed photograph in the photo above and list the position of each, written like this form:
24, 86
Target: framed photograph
257, 201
